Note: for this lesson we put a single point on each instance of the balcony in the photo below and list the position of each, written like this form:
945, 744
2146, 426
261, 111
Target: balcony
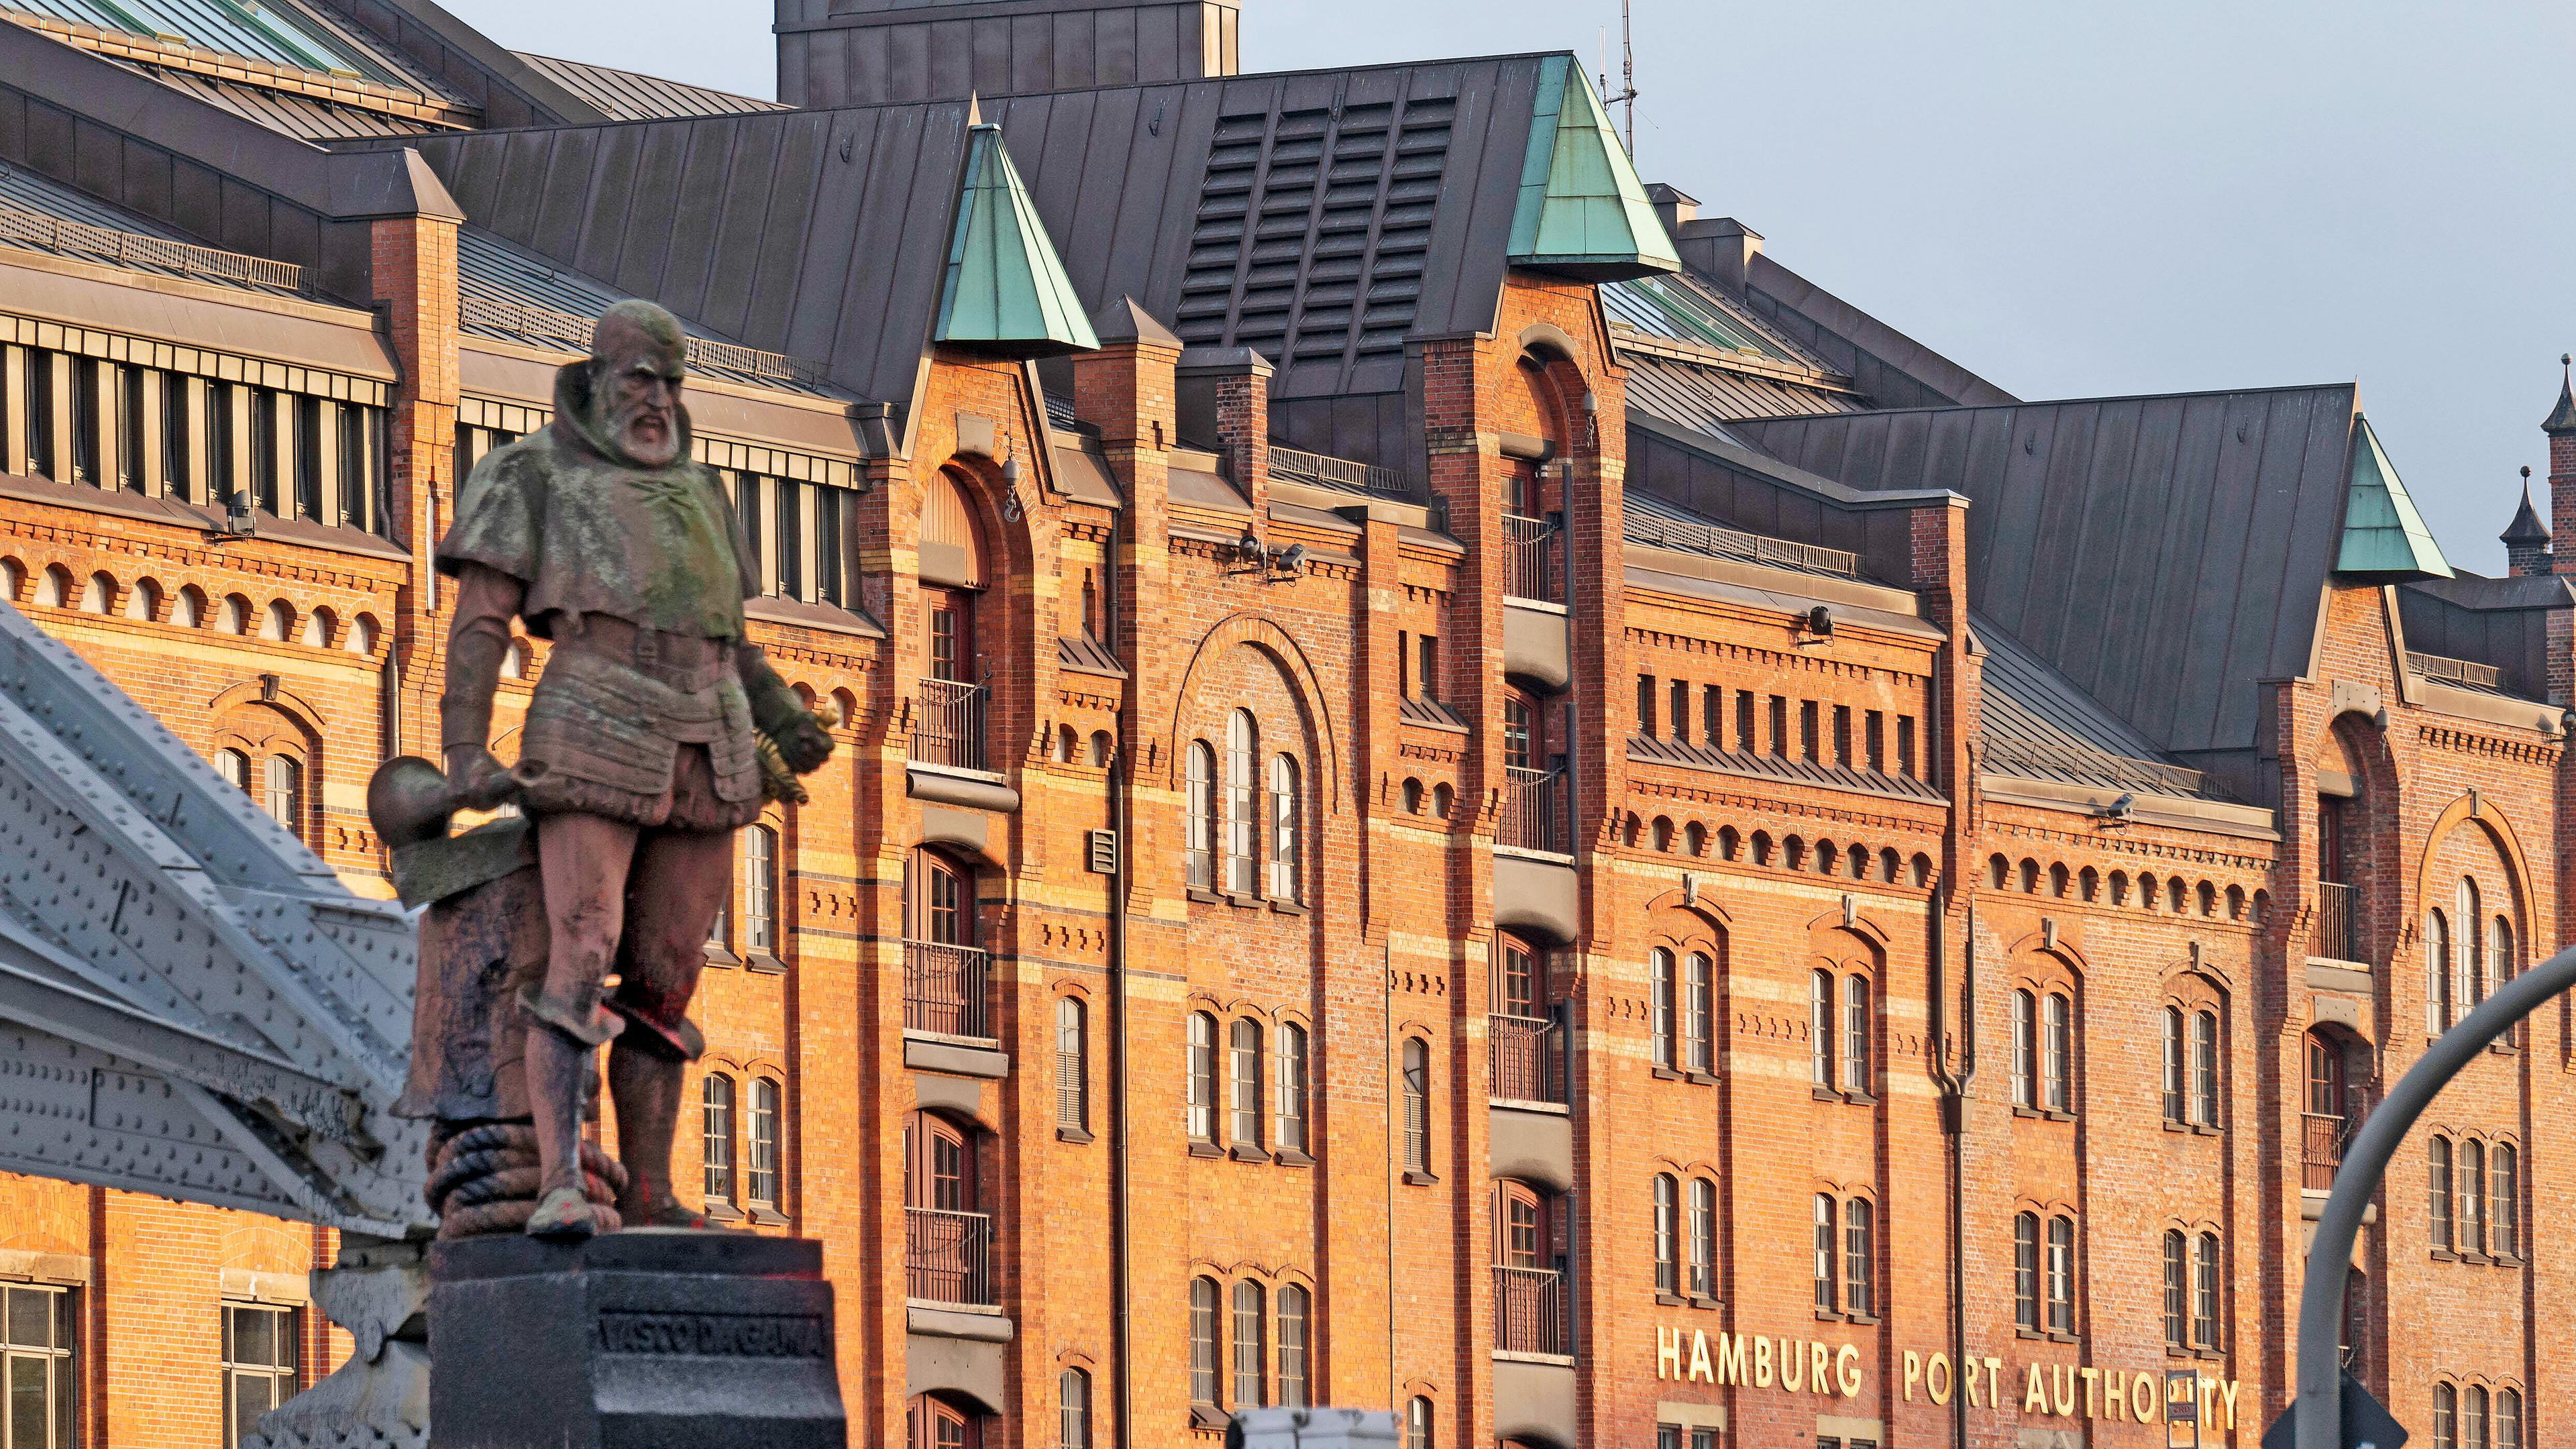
1533, 815
948, 1257
1529, 1059
1529, 1310
947, 989
2323, 1136
2338, 921
1530, 549
948, 724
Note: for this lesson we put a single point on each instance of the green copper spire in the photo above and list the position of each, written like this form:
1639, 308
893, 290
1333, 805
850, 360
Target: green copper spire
1006, 288
2383, 536
1582, 210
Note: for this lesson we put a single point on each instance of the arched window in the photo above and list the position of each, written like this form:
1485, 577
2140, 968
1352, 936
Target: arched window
2204, 1068
1417, 1110
1443, 799
1828, 1255
1417, 1424
1200, 845
53, 587
285, 795
1202, 1084
1293, 1320
1520, 987
2472, 1219
2437, 974
1291, 1090
2504, 1200
2205, 1294
717, 1127
1820, 1027
1699, 1012
1703, 1238
2025, 1049
1073, 1410
932, 1421
1072, 1068
1287, 845
317, 629
2177, 1078
1244, 1051
2508, 1419
1242, 824
143, 601
1203, 1341
2177, 1290
762, 1136
97, 592
1659, 1009
947, 1236
2438, 1192
2469, 955
2501, 966
1856, 1034
234, 766
947, 981
2061, 1275
2057, 1054
1251, 1348
1860, 1257
760, 890
232, 618
2473, 1417
2446, 1417
1668, 1267
362, 633
276, 621
2026, 1270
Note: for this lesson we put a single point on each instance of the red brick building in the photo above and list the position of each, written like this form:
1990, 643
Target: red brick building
1459, 793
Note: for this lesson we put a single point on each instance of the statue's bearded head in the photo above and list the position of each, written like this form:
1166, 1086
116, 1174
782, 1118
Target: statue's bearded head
636, 357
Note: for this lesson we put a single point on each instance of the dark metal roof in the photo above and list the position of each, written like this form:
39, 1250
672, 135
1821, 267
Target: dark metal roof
309, 118
2503, 623
1658, 523
1892, 369
1702, 398
281, 32
2035, 724
1647, 749
2526, 530
509, 293
2163, 553
625, 95
2471, 591
40, 214
2562, 418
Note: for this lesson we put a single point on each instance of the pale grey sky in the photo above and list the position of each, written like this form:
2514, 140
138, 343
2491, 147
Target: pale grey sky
2070, 199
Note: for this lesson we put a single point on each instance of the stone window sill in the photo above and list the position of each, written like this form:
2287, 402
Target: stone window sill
1206, 1149
1666, 1074
2028, 1333
768, 1217
2205, 1129
1864, 1320
1288, 908
1071, 1134
1671, 1300
1205, 896
1825, 1094
1708, 1303
765, 964
720, 956
1419, 1179
1698, 1078
2445, 1255
723, 1212
1291, 1157
1207, 1416
1243, 1153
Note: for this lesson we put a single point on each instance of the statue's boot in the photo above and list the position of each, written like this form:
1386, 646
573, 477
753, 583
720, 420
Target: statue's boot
645, 1084
561, 1037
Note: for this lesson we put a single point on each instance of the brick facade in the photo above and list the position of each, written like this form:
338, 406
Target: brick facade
1389, 938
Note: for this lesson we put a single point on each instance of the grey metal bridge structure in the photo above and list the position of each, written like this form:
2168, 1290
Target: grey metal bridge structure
192, 1005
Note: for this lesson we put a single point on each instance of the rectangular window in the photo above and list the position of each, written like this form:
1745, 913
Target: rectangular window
1856, 1035
1744, 740
357, 489
1712, 717
1842, 735
1426, 666
222, 478
1290, 1089
827, 546
1905, 748
308, 459
2504, 1212
2026, 1270
1668, 1436
2204, 1068
1646, 705
760, 890
2438, 1184
40, 414
1251, 1349
1874, 740
747, 488
2177, 1293
2205, 1293
1681, 712
85, 420
1700, 1013
1203, 1354
2174, 1069
1860, 1256
2059, 1053
1703, 1238
39, 1358
1245, 1074
1704, 1437
263, 450
1292, 1347
1808, 744
761, 1137
791, 539
1828, 1250
1201, 1123
1668, 1272
717, 1124
129, 428
1820, 1027
1659, 1009
1780, 726
259, 1365
2061, 1275
176, 433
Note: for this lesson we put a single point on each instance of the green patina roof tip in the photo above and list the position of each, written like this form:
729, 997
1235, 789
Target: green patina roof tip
1582, 210
1005, 286
2383, 535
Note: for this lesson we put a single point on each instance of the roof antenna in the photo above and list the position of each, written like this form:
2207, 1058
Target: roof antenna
1627, 76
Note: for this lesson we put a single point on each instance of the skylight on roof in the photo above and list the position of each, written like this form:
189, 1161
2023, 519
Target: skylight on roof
1668, 308
273, 32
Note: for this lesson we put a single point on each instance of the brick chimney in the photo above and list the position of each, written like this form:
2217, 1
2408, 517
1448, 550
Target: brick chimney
2561, 428
2526, 539
1225, 405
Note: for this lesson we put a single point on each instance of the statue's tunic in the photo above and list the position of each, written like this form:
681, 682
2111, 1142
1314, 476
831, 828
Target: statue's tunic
644, 659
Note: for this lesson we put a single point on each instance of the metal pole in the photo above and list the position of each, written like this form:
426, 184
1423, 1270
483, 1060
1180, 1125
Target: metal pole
2365, 1162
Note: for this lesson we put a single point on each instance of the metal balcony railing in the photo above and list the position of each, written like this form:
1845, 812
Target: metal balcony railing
1529, 1061
2321, 1149
1533, 815
948, 724
948, 1256
947, 989
1529, 1310
2338, 921
1529, 559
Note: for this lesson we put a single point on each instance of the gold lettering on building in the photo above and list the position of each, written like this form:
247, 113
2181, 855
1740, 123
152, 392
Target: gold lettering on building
1847, 1371
1730, 1359
2142, 1398
1700, 1371
1761, 1362
2115, 1392
1793, 1365
1668, 1353
2034, 1395
1939, 1379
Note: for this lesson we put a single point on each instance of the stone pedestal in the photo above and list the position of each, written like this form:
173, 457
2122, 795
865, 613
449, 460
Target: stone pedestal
633, 1340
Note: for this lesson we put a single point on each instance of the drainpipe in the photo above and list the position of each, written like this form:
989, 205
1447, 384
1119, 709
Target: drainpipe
1954, 1130
1122, 821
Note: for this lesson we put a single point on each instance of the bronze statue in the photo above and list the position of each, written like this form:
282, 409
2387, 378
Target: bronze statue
649, 741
